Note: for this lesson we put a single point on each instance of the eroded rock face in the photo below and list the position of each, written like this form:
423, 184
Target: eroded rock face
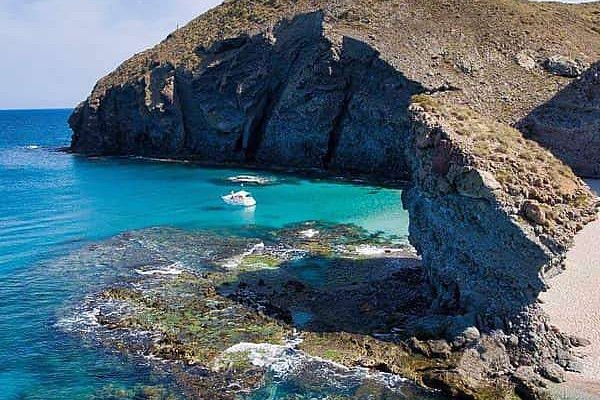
292, 96
569, 124
140, 118
316, 83
487, 219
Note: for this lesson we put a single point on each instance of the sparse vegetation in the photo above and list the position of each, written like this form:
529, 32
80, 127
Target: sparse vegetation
525, 170
417, 26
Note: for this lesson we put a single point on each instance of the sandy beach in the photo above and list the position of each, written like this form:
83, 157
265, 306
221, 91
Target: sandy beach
573, 303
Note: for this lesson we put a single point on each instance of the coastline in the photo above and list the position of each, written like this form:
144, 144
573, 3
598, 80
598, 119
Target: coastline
573, 304
306, 173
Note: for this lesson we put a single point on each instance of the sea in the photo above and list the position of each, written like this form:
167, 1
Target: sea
53, 203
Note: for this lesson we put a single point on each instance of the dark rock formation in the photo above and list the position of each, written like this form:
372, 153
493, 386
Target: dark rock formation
492, 215
569, 124
318, 84
328, 84
290, 97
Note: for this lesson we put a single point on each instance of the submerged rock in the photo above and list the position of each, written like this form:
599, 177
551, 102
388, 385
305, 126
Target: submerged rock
221, 329
328, 85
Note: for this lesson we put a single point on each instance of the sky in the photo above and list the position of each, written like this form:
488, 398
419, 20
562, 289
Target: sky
54, 51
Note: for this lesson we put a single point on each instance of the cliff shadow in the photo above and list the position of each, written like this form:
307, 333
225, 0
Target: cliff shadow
322, 294
486, 274
569, 124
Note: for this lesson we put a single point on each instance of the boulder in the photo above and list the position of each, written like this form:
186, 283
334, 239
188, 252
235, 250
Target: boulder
525, 60
530, 386
564, 66
553, 373
577, 341
534, 212
476, 184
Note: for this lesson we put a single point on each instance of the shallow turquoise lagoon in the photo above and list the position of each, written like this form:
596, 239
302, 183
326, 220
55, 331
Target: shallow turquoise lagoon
52, 203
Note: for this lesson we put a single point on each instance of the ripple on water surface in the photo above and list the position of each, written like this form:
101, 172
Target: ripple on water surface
54, 203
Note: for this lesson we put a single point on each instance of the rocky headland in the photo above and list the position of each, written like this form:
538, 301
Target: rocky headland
427, 92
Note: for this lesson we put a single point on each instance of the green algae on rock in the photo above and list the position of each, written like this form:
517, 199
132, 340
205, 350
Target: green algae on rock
221, 326
191, 321
209, 322
112, 392
328, 85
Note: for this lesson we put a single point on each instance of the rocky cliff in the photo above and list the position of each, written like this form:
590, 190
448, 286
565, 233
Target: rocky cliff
294, 96
492, 215
491, 212
328, 85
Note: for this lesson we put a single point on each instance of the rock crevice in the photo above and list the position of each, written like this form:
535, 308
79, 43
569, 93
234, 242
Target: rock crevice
295, 96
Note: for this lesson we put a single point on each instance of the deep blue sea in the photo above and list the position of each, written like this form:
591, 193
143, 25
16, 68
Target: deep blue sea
52, 203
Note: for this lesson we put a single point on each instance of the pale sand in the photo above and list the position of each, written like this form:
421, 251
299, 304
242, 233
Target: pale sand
573, 303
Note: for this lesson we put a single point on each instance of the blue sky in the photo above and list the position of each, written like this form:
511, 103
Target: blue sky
55, 50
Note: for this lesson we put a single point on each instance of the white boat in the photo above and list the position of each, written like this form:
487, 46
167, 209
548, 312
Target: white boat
241, 198
250, 179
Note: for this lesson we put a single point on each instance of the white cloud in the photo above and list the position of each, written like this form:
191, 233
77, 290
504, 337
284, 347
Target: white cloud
55, 50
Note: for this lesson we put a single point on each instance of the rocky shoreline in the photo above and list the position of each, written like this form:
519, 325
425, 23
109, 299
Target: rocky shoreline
330, 86
223, 315
199, 318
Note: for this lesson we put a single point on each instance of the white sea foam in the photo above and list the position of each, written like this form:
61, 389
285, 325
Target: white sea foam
371, 250
172, 269
260, 354
283, 361
80, 321
234, 262
309, 233
162, 160
32, 147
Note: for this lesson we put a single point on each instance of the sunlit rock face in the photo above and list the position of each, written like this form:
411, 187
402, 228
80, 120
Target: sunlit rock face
293, 96
491, 212
328, 86
321, 84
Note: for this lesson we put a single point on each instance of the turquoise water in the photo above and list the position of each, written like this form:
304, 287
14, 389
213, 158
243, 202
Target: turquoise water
52, 203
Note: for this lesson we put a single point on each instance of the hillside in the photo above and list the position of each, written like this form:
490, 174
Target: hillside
421, 91
468, 44
488, 54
